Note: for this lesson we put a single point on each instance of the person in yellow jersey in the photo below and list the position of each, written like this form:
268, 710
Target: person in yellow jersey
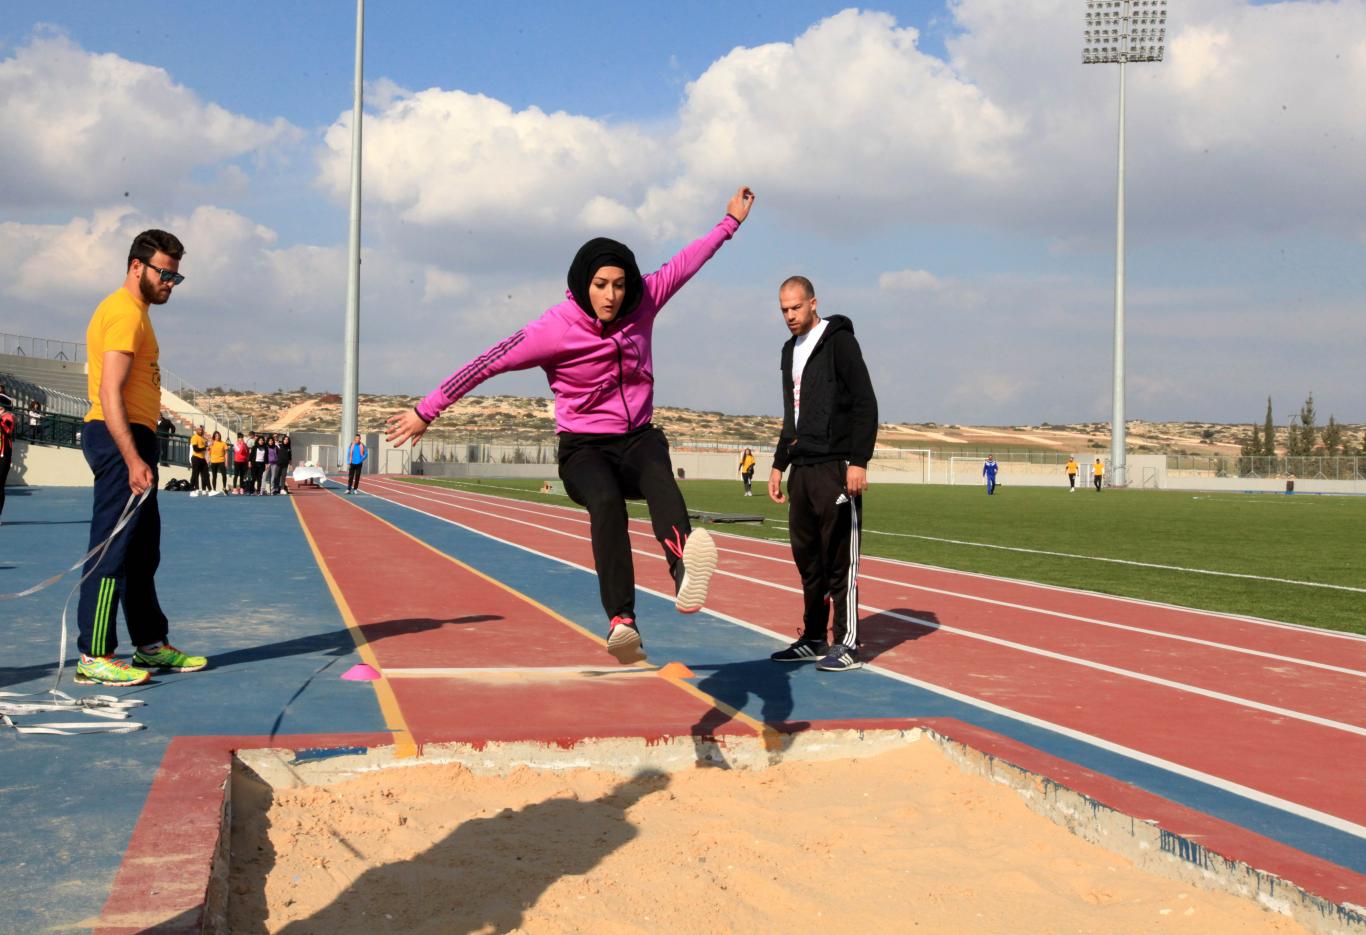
218, 461
747, 463
1072, 469
1098, 473
120, 444
199, 462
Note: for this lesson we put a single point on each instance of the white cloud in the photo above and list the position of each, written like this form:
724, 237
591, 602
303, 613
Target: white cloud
449, 159
442, 284
909, 280
82, 127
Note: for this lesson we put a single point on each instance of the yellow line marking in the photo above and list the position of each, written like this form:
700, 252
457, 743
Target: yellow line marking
404, 744
771, 737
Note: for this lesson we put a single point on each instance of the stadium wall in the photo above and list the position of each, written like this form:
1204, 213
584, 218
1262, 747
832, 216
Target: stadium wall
51, 466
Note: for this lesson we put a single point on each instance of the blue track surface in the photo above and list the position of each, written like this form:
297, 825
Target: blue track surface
240, 585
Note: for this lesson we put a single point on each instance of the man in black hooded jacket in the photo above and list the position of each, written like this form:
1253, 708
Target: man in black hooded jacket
829, 429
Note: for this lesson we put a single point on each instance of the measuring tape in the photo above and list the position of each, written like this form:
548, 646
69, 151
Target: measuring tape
107, 707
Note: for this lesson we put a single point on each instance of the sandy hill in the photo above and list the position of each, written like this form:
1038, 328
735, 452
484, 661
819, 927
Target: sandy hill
522, 418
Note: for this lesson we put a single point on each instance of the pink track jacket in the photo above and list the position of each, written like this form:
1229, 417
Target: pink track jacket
602, 375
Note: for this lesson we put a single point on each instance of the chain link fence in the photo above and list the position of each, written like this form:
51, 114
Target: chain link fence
1262, 466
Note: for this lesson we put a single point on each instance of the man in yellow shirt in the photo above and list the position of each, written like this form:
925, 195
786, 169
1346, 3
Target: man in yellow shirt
120, 444
1072, 469
1098, 473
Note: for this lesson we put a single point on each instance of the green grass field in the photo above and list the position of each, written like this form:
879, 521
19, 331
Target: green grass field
1303, 538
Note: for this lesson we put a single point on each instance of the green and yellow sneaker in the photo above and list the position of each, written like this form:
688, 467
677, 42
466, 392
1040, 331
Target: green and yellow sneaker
169, 659
106, 670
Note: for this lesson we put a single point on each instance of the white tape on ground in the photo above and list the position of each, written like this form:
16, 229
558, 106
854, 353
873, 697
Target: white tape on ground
102, 706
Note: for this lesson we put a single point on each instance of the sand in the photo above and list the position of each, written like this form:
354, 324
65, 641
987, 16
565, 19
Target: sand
899, 842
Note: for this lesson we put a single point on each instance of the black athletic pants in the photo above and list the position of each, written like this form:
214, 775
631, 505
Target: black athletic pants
218, 469
1099, 478
353, 476
258, 470
199, 474
127, 573
1071, 480
823, 527
601, 472
239, 474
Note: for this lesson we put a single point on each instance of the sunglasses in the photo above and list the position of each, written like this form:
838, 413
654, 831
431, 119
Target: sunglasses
167, 275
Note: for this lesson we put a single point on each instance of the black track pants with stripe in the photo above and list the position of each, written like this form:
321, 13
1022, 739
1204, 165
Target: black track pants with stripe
824, 528
127, 573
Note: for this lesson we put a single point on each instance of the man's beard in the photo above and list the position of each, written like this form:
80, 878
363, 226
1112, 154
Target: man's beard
150, 295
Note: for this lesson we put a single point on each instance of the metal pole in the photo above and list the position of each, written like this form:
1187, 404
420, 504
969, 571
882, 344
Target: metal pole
351, 368
1118, 469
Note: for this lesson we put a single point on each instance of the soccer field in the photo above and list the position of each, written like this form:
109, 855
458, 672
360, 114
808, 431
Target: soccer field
1249, 538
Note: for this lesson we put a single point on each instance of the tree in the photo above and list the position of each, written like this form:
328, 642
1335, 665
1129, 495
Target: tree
1332, 438
1302, 435
1253, 446
1269, 433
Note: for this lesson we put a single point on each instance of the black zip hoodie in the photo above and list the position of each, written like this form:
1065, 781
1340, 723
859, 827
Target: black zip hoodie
839, 409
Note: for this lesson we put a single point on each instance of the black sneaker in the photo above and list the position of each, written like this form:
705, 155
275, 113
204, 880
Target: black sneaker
840, 658
802, 651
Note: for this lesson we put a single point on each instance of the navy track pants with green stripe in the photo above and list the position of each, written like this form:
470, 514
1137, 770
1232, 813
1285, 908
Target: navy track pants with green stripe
127, 573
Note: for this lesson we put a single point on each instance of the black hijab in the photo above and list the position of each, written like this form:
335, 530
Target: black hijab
593, 256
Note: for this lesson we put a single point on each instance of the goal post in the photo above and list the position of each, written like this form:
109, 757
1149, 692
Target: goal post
953, 465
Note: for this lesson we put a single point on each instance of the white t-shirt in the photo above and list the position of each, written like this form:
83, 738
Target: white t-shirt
801, 353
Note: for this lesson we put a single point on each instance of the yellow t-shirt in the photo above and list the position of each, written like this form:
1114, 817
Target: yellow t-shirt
1098, 469
218, 451
1071, 467
121, 323
746, 463
197, 445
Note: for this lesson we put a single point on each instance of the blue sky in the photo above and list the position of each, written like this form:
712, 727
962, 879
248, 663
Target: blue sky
945, 174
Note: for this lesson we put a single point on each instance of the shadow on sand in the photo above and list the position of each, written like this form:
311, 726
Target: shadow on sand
482, 877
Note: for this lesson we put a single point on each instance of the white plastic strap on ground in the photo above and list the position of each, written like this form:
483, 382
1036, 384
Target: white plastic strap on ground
100, 706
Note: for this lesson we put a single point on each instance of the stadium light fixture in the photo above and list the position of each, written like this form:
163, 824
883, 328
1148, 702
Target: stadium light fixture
1119, 32
351, 365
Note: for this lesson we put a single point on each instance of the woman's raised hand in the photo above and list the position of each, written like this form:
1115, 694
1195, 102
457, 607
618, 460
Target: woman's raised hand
740, 203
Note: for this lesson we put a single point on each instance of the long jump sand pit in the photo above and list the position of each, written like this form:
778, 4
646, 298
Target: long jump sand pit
843, 834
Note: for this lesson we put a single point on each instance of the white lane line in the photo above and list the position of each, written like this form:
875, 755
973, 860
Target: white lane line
1124, 561
1099, 558
935, 569
1293, 660
532, 672
999, 641
1264, 798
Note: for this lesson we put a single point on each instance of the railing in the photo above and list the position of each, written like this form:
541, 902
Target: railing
232, 422
64, 431
25, 394
21, 345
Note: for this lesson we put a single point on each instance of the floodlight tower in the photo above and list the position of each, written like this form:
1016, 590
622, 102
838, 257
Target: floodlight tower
351, 367
1122, 31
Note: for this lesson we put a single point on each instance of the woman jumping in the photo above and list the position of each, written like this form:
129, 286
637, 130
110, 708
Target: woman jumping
595, 348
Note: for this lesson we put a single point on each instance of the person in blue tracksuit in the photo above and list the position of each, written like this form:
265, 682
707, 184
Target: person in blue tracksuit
989, 472
356, 453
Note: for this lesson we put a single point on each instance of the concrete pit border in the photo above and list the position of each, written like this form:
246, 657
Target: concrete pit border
1141, 841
